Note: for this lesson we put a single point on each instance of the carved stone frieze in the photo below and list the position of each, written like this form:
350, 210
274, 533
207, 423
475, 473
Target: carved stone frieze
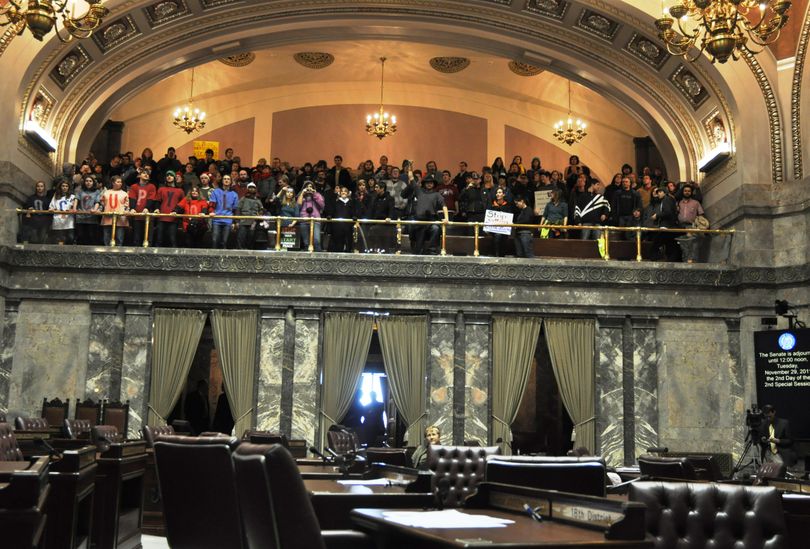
597, 24
116, 33
774, 119
796, 99
688, 84
647, 50
555, 9
164, 11
70, 66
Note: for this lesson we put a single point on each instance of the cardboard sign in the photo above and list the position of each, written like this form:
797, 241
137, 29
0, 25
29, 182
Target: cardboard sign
288, 240
493, 216
201, 146
541, 198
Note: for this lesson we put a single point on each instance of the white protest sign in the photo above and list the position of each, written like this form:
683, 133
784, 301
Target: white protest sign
493, 216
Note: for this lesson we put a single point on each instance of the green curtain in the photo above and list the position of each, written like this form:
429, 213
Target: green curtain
514, 340
571, 346
403, 341
175, 336
235, 340
346, 339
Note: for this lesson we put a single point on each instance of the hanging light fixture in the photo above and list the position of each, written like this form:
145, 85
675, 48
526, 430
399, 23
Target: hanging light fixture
39, 17
570, 131
724, 27
381, 124
188, 118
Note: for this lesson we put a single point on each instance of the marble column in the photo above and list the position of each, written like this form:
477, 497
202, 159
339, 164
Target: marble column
737, 388
459, 379
105, 352
271, 354
306, 381
287, 373
440, 375
645, 385
610, 391
136, 364
7, 351
478, 375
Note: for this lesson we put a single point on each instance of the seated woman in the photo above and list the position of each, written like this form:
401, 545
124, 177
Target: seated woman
433, 435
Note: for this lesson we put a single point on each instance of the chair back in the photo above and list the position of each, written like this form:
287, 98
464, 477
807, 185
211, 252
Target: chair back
76, 428
706, 468
55, 412
389, 456
198, 488
670, 468
265, 437
104, 435
9, 451
463, 466
771, 470
687, 515
152, 432
89, 410
270, 469
31, 424
116, 413
578, 475
342, 442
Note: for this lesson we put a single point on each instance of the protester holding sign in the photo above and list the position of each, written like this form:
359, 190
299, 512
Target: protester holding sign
500, 205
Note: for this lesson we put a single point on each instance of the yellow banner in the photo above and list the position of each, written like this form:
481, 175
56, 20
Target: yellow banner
201, 146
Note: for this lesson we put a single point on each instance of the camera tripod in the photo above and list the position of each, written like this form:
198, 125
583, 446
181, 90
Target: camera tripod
755, 459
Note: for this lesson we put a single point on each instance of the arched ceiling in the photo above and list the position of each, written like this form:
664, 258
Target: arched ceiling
607, 45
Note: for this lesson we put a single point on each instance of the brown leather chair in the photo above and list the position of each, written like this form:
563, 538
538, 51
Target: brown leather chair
706, 468
695, 516
31, 424
276, 509
152, 432
578, 475
265, 437
76, 428
216, 438
8, 444
89, 410
55, 412
104, 435
666, 468
343, 442
771, 470
198, 487
463, 466
390, 456
115, 413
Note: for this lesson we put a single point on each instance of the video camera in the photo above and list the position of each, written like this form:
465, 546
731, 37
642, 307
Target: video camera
754, 417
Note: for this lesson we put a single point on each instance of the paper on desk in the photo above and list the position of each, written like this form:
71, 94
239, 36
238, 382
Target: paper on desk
370, 482
450, 518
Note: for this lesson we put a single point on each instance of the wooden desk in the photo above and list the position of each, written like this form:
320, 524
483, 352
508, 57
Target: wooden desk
570, 521
153, 522
329, 471
24, 494
118, 501
70, 505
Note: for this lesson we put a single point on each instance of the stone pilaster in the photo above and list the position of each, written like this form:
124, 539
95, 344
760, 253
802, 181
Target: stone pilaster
271, 355
306, 377
12, 309
478, 375
645, 384
105, 351
441, 368
610, 391
136, 364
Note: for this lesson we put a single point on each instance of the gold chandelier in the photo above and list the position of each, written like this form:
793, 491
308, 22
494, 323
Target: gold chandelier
39, 16
381, 124
570, 131
724, 27
188, 118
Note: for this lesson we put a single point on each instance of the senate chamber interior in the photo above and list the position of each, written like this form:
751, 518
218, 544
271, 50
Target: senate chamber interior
397, 273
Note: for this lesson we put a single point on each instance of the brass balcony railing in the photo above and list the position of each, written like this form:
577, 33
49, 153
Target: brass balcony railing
477, 227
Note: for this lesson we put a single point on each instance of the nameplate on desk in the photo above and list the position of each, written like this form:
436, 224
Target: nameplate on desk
584, 514
515, 502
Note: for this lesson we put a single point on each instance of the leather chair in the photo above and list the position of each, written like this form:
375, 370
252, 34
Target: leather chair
31, 424
706, 468
578, 475
181, 426
55, 412
115, 413
771, 470
463, 466
76, 428
8, 444
389, 456
276, 509
104, 435
152, 432
89, 410
687, 515
198, 487
666, 468
265, 437
216, 438
343, 442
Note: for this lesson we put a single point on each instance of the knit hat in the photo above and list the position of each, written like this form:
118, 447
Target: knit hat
170, 173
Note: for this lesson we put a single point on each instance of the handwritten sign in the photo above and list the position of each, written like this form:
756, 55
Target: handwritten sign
493, 216
201, 146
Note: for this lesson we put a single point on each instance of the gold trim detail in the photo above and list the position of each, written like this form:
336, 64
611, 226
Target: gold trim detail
796, 99
774, 120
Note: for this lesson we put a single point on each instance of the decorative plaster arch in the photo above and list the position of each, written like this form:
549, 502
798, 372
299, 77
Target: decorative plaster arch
796, 98
489, 27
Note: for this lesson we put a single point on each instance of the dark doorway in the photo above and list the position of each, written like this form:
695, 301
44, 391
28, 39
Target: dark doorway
542, 426
368, 415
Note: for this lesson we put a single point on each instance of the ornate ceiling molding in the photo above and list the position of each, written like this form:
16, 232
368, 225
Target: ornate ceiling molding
774, 119
796, 99
239, 60
449, 65
524, 69
314, 59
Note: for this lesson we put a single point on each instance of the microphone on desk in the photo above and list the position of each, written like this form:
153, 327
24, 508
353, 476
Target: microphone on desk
332, 453
318, 453
442, 492
39, 441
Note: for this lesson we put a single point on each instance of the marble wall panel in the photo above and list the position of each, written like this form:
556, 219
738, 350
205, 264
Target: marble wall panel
610, 396
104, 355
440, 393
136, 364
696, 409
50, 361
737, 381
476, 405
271, 348
7, 336
645, 388
305, 383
